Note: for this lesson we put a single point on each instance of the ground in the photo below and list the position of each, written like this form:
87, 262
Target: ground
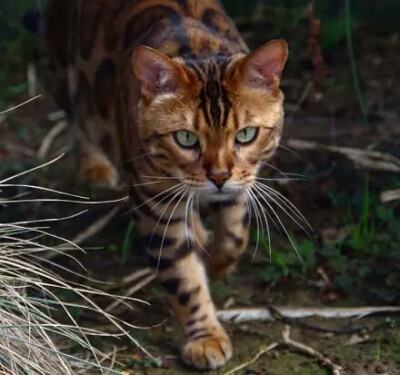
351, 258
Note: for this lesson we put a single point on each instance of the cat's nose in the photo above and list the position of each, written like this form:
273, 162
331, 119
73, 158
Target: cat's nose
220, 178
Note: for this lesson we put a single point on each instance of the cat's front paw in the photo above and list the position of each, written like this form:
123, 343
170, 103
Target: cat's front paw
208, 353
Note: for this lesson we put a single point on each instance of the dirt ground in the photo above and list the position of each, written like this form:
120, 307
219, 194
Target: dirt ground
329, 116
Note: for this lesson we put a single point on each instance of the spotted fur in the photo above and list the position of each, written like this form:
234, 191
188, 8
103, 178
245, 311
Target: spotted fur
130, 74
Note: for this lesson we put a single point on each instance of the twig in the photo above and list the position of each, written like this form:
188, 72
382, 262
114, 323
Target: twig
315, 49
89, 232
345, 330
390, 195
350, 51
49, 138
20, 105
95, 228
135, 276
32, 79
251, 314
57, 116
134, 289
129, 279
335, 369
262, 351
374, 160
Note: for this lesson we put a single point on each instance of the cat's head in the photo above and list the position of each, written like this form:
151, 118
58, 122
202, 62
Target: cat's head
211, 123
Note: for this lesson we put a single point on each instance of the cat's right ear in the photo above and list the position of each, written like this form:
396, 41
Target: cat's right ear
157, 73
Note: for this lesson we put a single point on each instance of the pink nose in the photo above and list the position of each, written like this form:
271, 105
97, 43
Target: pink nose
219, 178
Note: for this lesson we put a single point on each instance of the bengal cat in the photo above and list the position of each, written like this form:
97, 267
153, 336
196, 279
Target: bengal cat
166, 97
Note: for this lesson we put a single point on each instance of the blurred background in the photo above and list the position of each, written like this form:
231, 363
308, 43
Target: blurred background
341, 139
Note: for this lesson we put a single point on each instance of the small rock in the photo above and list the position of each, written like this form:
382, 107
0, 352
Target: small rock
380, 369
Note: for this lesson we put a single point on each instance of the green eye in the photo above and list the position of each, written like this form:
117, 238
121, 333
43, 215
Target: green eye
186, 139
247, 135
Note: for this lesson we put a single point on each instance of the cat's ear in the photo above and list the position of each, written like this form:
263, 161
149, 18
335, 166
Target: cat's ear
157, 73
263, 68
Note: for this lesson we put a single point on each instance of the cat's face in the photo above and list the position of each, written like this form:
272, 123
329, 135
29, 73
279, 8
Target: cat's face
212, 123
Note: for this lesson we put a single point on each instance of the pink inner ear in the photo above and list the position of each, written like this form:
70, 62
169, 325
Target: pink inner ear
270, 69
263, 67
156, 79
156, 72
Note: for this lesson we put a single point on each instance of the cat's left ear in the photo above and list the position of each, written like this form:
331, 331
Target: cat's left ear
262, 69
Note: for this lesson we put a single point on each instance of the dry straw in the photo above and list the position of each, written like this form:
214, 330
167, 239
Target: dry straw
30, 337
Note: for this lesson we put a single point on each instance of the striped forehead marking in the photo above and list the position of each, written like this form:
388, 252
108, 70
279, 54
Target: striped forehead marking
214, 100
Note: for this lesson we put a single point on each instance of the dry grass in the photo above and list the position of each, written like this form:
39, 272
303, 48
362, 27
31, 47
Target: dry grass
30, 336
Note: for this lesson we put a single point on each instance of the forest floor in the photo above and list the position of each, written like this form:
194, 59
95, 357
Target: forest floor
349, 260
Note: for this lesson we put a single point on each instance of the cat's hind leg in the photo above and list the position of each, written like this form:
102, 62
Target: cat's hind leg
94, 165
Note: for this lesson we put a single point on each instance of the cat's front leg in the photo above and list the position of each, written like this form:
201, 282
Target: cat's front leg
173, 253
231, 234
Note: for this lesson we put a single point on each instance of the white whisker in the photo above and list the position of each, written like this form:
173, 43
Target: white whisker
257, 202
195, 235
257, 217
186, 218
160, 177
281, 172
139, 157
282, 225
167, 225
172, 188
265, 214
286, 203
290, 150
180, 190
145, 183
280, 179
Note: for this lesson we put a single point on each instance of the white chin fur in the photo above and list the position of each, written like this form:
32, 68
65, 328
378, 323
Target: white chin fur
210, 193
216, 197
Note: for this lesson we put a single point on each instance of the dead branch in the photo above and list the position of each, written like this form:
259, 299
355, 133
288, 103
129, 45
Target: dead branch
89, 232
335, 369
31, 76
250, 314
134, 289
373, 160
390, 195
261, 352
50, 137
129, 279
20, 105
57, 116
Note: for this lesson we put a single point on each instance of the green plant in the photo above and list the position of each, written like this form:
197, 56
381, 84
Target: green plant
353, 65
378, 348
362, 262
287, 263
129, 237
362, 231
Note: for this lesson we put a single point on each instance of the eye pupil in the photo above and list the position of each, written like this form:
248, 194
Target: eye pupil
185, 139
